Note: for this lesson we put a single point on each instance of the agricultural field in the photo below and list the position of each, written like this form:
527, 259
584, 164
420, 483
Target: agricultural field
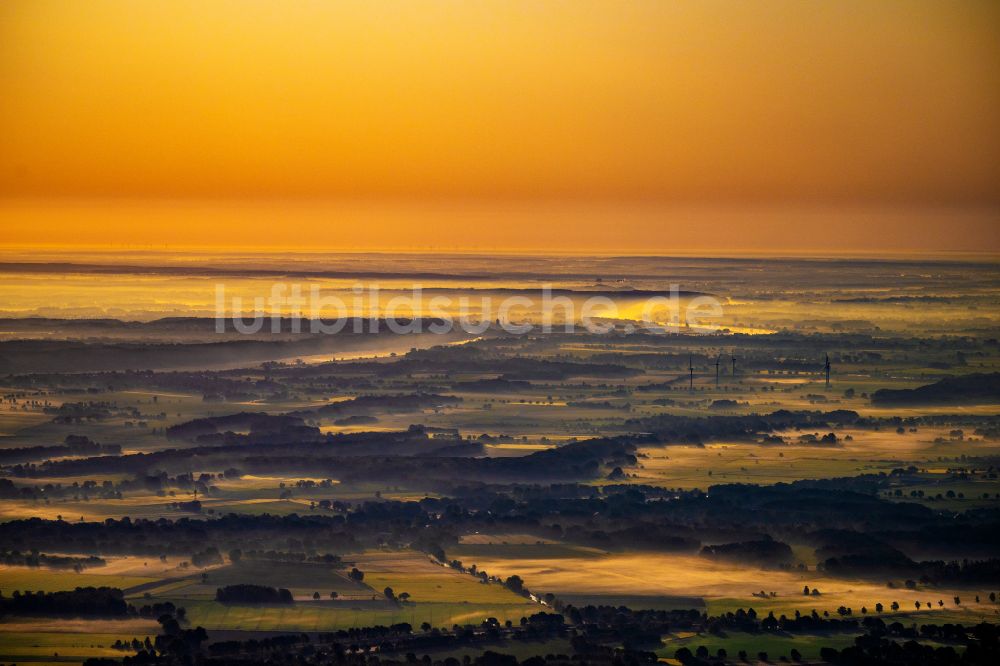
35, 579
866, 452
575, 494
669, 581
68, 641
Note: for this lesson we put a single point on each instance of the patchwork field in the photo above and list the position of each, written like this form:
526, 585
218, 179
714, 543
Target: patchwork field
380, 450
438, 595
302, 579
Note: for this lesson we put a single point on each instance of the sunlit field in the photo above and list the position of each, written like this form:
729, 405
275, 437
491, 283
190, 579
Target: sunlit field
671, 581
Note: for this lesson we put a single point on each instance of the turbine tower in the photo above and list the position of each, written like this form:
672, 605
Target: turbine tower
690, 374
826, 367
717, 360
734, 367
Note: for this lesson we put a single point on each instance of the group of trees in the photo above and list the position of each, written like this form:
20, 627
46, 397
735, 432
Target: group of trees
252, 594
391, 595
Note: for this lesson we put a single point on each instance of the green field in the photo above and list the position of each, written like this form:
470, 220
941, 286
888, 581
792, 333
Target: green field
775, 646
62, 640
33, 647
302, 579
329, 615
522, 649
439, 595
425, 581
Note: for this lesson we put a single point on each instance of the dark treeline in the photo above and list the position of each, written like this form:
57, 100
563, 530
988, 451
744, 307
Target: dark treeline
73, 445
36, 559
350, 457
160, 483
182, 537
83, 601
597, 634
966, 389
670, 428
842, 524
237, 555
977, 645
291, 427
763, 553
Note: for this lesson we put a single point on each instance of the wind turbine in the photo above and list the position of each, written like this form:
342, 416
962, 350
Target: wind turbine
734, 366
826, 367
690, 373
717, 360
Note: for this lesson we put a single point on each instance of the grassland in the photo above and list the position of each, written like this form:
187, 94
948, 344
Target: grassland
331, 615
867, 452
35, 647
63, 641
660, 580
302, 579
544, 414
774, 645
440, 596
47, 580
424, 581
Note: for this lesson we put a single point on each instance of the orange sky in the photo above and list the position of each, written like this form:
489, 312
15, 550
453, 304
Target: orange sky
610, 113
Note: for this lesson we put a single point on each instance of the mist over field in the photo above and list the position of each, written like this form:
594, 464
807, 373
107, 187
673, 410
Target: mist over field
499, 333
814, 461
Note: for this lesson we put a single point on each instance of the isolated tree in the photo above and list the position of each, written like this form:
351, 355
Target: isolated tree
515, 584
878, 608
334, 594
316, 596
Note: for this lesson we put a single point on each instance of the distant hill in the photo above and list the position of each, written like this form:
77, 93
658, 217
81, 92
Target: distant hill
977, 388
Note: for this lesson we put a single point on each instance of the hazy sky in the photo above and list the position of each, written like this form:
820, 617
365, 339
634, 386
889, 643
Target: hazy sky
505, 106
